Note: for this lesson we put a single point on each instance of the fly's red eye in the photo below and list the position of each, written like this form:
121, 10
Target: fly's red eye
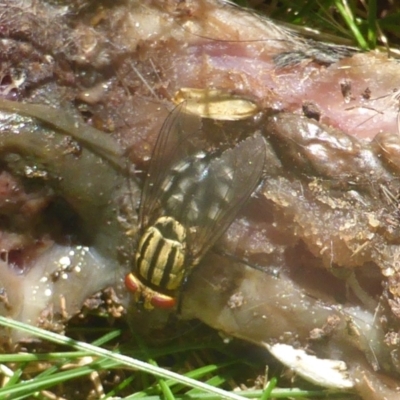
162, 301
132, 283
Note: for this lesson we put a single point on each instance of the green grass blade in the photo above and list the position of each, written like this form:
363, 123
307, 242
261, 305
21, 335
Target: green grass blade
119, 358
372, 24
268, 390
350, 22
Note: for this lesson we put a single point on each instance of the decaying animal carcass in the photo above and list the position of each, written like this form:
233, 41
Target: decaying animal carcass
314, 253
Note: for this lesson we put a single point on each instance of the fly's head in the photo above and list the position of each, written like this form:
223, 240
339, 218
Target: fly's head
160, 262
150, 298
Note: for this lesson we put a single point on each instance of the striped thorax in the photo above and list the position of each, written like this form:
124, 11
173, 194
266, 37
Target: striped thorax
161, 253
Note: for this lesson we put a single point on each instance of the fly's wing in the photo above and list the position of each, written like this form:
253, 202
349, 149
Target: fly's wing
221, 190
174, 143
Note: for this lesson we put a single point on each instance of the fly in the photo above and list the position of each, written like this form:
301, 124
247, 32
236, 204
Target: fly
190, 197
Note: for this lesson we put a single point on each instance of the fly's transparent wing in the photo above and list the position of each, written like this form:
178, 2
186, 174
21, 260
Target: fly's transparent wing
174, 143
230, 181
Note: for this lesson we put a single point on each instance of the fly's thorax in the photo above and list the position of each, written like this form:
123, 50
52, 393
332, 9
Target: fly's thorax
161, 254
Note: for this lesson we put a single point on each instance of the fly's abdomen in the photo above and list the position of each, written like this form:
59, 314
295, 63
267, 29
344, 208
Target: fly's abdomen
161, 254
196, 192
